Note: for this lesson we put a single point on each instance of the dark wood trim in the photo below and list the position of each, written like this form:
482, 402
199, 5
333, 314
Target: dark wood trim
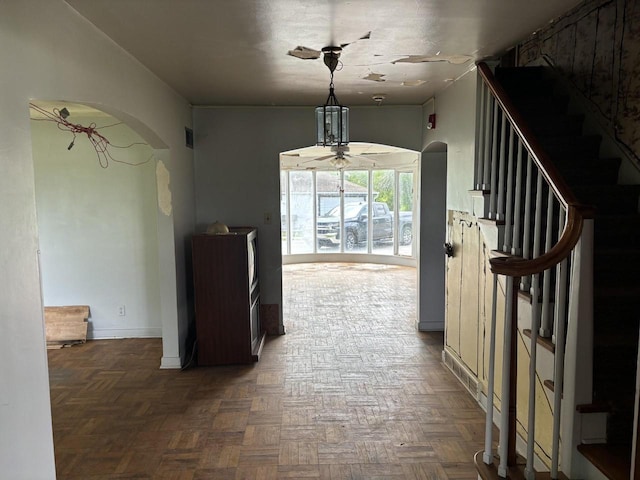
612, 460
545, 343
518, 266
593, 408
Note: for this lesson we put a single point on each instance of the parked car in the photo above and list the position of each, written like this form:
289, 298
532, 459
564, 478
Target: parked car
356, 225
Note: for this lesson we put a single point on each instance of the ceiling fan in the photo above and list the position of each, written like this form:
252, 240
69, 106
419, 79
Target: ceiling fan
339, 158
307, 53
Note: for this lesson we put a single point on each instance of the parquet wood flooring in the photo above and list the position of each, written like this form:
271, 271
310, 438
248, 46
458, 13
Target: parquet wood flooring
352, 391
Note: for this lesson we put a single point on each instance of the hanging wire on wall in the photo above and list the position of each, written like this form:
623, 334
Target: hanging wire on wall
100, 143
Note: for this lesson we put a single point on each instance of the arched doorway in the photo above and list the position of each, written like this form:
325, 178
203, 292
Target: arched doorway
105, 226
433, 228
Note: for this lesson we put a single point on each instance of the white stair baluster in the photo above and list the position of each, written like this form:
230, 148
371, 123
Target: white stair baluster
508, 228
546, 323
526, 238
493, 196
488, 434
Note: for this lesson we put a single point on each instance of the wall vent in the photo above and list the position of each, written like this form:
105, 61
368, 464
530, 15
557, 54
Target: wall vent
462, 373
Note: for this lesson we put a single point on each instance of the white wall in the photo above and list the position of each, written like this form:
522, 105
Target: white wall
455, 109
237, 165
98, 227
50, 52
447, 170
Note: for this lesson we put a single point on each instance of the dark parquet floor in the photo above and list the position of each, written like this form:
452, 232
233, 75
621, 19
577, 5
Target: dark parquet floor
352, 391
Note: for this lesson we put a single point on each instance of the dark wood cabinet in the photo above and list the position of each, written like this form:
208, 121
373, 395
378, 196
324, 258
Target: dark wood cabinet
227, 297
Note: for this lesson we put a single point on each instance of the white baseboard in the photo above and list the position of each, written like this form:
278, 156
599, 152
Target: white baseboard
110, 333
168, 363
431, 326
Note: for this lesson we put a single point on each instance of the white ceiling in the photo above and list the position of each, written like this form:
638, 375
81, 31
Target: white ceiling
234, 52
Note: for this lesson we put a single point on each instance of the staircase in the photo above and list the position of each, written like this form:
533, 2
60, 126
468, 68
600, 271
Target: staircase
616, 262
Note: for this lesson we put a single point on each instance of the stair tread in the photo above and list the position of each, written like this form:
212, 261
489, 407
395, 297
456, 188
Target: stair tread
490, 472
612, 460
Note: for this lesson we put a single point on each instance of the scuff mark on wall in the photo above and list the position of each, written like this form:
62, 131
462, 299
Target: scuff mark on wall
163, 177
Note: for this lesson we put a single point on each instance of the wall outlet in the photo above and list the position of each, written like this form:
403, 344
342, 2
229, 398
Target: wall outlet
121, 311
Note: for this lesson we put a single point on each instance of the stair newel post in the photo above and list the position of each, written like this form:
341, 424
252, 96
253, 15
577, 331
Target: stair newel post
487, 456
493, 195
526, 237
517, 217
509, 221
546, 322
501, 169
577, 378
507, 447
480, 136
488, 135
635, 448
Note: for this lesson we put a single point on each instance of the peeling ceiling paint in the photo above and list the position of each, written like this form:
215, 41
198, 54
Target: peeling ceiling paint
452, 59
413, 83
304, 53
375, 77
235, 52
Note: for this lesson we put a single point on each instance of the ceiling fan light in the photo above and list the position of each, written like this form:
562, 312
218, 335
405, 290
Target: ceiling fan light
339, 162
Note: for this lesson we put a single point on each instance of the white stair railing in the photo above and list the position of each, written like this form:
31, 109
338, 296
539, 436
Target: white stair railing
543, 222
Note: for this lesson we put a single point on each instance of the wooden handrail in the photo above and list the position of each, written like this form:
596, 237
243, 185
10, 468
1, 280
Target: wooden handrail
576, 212
521, 267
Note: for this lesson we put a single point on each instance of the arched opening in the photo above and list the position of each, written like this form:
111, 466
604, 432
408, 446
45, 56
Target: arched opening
348, 224
104, 221
358, 208
433, 228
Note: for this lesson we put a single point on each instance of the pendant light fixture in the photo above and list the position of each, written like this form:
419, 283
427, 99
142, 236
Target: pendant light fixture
332, 119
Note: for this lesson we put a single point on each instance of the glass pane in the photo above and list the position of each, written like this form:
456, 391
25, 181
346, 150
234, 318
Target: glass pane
356, 210
329, 215
382, 211
405, 218
284, 221
301, 208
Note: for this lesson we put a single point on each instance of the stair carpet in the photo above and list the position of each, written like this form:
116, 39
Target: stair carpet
616, 251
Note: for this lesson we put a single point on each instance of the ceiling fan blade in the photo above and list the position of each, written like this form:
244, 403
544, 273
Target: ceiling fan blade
319, 159
361, 157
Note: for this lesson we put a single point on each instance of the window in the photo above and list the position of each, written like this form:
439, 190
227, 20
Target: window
329, 211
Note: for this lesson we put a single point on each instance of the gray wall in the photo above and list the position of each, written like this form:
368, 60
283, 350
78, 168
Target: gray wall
237, 168
433, 220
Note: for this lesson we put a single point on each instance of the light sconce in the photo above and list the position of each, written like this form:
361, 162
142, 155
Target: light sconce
332, 119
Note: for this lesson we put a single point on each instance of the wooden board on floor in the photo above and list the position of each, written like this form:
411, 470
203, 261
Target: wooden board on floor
66, 324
